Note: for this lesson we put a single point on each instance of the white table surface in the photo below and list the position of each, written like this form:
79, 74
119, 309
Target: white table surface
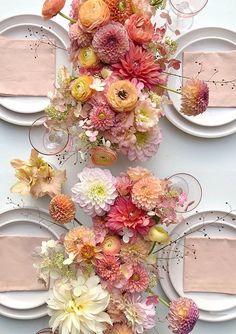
213, 161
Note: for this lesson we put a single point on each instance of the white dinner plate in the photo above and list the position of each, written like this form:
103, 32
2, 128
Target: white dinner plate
17, 27
26, 221
193, 222
213, 302
212, 116
227, 38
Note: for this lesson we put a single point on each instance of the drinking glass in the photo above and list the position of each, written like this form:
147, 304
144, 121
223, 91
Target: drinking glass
189, 185
48, 138
182, 12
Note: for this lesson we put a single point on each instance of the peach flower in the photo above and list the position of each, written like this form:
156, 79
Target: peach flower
103, 156
93, 14
81, 90
52, 8
122, 96
140, 29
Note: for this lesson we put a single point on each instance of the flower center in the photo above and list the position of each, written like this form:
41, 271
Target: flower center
141, 138
122, 5
97, 191
102, 115
122, 94
87, 252
135, 277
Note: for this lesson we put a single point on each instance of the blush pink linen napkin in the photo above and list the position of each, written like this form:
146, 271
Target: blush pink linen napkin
16, 263
224, 63
213, 269
21, 74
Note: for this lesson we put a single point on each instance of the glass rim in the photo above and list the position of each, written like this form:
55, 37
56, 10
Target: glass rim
31, 143
193, 13
199, 184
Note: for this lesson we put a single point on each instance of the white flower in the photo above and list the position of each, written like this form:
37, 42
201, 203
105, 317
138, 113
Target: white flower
95, 192
70, 259
106, 143
78, 109
46, 245
92, 135
98, 85
146, 115
127, 234
82, 314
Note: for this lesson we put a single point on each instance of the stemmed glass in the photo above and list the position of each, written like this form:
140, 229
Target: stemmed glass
48, 137
186, 184
46, 331
182, 12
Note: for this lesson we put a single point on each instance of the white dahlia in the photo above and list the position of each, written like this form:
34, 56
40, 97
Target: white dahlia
96, 191
80, 310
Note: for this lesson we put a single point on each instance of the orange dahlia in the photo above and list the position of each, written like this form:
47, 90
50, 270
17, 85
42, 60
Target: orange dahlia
62, 209
81, 242
146, 192
120, 10
139, 64
195, 97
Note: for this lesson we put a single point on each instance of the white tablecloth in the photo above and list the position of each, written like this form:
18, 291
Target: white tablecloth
213, 162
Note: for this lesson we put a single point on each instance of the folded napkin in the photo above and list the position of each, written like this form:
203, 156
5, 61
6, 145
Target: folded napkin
224, 63
25, 71
16, 263
213, 269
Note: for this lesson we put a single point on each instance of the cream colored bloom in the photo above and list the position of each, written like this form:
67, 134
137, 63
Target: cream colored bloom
83, 313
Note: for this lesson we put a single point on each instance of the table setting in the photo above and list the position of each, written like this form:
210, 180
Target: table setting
118, 210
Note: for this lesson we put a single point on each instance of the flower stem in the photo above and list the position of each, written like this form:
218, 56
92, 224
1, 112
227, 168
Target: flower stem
170, 89
67, 17
153, 246
77, 221
163, 301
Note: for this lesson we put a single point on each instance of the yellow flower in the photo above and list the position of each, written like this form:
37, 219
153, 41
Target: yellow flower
26, 179
158, 234
87, 57
93, 14
81, 90
122, 95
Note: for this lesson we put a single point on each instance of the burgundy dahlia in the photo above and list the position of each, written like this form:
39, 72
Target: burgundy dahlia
111, 42
183, 315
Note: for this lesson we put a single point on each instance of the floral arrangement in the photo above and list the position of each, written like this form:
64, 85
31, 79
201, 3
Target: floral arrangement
104, 276
36, 177
113, 101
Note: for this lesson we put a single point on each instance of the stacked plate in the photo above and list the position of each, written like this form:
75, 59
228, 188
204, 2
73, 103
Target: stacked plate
34, 222
25, 110
215, 122
212, 306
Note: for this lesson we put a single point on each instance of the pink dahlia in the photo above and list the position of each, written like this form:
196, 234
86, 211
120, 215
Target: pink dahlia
78, 37
195, 97
140, 316
111, 42
139, 64
99, 229
125, 214
123, 185
102, 117
108, 268
139, 280
135, 252
146, 145
183, 315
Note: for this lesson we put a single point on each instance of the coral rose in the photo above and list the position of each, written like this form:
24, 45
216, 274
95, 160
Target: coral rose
93, 14
140, 29
81, 90
52, 8
122, 95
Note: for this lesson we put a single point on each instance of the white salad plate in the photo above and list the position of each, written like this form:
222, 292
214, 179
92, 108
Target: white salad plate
33, 222
18, 27
212, 306
215, 122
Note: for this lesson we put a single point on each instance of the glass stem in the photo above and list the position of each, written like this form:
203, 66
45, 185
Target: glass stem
67, 17
170, 89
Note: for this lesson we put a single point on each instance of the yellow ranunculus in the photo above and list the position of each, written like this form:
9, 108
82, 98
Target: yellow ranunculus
87, 57
81, 90
122, 95
158, 234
